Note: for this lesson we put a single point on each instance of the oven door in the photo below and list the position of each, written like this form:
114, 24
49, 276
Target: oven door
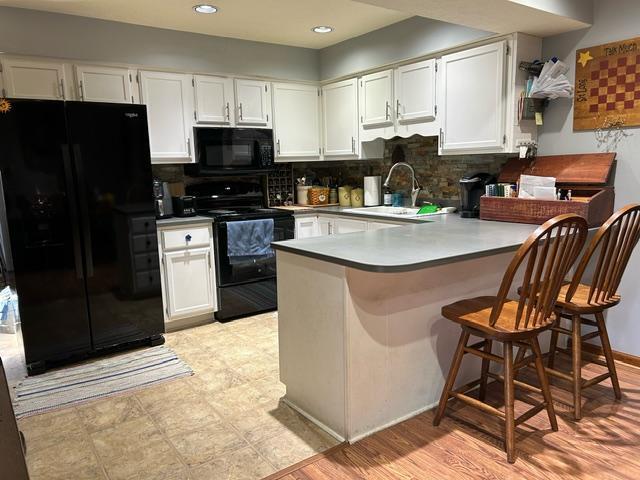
237, 272
232, 151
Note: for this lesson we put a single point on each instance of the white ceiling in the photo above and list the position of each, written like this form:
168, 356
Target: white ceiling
536, 17
287, 22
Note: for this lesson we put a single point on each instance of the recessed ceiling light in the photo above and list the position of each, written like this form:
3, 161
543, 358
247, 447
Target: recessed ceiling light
322, 29
205, 8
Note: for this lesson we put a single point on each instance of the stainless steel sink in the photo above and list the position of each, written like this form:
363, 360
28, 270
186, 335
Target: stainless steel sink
390, 211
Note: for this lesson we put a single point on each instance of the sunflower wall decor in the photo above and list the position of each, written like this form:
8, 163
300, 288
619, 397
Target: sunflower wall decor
5, 105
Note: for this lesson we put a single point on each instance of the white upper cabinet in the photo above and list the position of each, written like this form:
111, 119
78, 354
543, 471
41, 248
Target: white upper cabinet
253, 102
33, 79
104, 84
340, 119
296, 112
473, 95
169, 100
214, 100
400, 102
376, 99
415, 92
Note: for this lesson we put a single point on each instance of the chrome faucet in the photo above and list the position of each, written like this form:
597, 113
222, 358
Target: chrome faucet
415, 190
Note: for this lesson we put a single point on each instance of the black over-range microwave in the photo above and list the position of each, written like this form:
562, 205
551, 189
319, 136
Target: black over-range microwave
231, 151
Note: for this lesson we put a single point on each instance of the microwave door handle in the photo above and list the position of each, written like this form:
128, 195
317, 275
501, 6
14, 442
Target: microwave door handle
84, 210
73, 210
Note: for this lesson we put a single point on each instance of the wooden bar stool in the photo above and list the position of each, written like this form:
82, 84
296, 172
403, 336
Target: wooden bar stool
546, 256
611, 249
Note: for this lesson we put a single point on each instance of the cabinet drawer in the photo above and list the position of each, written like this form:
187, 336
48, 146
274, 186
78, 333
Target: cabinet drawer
186, 237
144, 243
146, 261
147, 280
143, 225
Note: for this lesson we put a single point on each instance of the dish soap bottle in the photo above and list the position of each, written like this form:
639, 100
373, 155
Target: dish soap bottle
388, 197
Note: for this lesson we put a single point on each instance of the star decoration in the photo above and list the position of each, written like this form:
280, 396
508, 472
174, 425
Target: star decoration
584, 58
5, 106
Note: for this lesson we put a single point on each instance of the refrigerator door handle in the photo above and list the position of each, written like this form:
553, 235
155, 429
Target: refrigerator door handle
73, 210
84, 210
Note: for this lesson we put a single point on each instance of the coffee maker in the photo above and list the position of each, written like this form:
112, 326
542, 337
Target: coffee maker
472, 187
162, 196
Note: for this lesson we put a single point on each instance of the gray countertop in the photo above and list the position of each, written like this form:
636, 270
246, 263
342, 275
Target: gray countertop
174, 221
439, 240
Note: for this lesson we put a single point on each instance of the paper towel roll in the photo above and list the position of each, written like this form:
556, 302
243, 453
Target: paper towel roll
372, 191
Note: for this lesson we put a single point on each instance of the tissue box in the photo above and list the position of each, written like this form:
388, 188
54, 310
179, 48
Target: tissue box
588, 176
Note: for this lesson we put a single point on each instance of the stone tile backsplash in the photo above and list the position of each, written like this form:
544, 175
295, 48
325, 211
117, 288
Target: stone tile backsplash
437, 174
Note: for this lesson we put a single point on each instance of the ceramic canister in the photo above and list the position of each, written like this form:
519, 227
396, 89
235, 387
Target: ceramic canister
344, 196
302, 192
357, 197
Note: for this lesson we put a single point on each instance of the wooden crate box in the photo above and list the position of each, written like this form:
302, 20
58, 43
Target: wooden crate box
588, 176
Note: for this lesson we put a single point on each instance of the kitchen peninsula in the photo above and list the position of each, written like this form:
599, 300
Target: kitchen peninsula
362, 342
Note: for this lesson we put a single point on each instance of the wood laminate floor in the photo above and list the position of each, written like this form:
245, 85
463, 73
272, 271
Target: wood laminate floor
604, 445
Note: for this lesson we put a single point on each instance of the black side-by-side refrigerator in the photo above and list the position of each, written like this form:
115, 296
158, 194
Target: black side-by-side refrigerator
80, 212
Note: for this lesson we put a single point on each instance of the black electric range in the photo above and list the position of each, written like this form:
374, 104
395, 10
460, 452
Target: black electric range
245, 286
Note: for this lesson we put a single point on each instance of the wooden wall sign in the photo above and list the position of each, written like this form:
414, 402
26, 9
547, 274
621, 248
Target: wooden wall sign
607, 85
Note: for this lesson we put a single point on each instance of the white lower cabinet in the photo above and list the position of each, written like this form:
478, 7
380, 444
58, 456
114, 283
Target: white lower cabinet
309, 226
187, 271
347, 225
325, 226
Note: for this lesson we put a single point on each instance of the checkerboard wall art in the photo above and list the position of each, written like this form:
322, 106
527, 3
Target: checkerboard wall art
607, 85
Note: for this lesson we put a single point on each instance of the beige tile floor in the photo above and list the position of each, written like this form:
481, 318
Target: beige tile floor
226, 422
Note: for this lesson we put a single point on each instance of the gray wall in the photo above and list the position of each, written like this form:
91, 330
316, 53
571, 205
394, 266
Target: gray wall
613, 20
410, 38
30, 32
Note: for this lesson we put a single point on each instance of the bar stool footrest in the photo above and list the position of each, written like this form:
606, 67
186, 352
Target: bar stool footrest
595, 380
530, 413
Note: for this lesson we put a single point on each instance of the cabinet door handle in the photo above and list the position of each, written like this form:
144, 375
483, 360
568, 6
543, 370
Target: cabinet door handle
386, 111
188, 238
228, 113
240, 110
81, 91
441, 138
278, 146
353, 145
62, 89
189, 146
398, 108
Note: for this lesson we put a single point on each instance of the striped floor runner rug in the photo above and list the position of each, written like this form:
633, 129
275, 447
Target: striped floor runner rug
98, 379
